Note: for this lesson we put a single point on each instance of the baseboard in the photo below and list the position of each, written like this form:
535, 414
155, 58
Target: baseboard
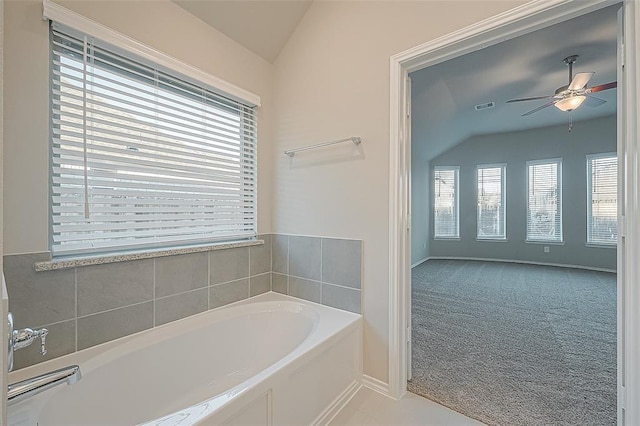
376, 385
526, 262
337, 404
419, 262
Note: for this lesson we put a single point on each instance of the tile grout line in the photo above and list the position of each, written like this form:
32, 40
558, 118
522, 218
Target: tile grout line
288, 252
115, 309
208, 281
75, 281
154, 293
249, 286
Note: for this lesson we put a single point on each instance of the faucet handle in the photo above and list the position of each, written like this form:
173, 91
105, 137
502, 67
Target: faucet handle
43, 340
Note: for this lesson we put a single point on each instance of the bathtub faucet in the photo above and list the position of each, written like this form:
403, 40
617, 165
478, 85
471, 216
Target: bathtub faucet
19, 339
26, 388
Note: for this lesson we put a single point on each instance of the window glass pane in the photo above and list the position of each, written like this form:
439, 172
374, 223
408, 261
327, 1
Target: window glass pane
142, 158
544, 201
602, 218
491, 203
446, 203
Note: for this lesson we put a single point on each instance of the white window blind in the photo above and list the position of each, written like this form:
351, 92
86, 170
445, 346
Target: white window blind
446, 223
602, 201
491, 202
544, 200
143, 158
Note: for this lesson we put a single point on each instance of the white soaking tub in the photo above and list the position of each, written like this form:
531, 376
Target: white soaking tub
271, 359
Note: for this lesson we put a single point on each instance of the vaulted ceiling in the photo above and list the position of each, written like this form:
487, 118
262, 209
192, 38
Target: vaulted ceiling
444, 95
262, 26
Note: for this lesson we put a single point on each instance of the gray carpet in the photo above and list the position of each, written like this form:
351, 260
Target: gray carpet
513, 344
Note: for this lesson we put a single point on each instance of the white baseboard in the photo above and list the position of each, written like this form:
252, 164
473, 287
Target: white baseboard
419, 262
526, 262
376, 385
337, 404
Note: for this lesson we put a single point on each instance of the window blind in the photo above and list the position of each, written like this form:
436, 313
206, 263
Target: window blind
544, 200
491, 203
143, 158
602, 204
446, 223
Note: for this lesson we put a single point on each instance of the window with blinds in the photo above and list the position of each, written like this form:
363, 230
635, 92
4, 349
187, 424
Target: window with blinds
446, 216
143, 158
491, 221
602, 199
544, 200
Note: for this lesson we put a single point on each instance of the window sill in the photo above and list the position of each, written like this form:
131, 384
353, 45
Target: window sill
67, 263
493, 240
601, 246
546, 243
446, 239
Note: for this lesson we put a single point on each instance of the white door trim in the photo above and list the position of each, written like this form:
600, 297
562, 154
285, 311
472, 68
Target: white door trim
529, 17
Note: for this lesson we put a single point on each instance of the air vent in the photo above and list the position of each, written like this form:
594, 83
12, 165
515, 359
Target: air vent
488, 105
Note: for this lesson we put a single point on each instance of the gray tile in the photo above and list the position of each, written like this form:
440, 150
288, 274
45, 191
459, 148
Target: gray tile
342, 262
228, 265
61, 340
261, 256
181, 305
177, 274
110, 325
280, 253
304, 289
279, 283
223, 294
260, 284
38, 298
344, 298
304, 257
114, 285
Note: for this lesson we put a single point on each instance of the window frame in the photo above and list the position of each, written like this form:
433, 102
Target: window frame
456, 170
590, 157
503, 201
57, 250
559, 190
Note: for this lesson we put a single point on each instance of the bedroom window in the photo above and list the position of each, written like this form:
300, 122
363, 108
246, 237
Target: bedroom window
491, 223
143, 157
446, 216
602, 199
544, 201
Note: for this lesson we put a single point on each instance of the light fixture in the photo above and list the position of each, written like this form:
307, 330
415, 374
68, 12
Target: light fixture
570, 103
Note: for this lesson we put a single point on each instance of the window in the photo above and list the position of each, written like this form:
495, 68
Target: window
602, 199
446, 223
491, 203
544, 200
141, 156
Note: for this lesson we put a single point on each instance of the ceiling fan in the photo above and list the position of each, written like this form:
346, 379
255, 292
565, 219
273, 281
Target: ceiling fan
571, 96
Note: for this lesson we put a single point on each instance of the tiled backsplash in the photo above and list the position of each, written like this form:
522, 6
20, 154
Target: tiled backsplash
322, 270
85, 306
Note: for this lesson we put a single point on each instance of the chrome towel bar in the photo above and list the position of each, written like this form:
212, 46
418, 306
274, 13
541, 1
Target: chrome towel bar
291, 152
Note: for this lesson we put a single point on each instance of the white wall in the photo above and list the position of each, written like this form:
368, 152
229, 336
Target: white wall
159, 24
332, 81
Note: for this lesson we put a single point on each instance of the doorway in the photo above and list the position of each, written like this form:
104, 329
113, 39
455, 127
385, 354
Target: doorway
512, 24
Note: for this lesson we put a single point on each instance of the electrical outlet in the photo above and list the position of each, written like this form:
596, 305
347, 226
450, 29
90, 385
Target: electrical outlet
546, 249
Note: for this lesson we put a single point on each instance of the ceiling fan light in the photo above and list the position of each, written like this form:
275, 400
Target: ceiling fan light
570, 103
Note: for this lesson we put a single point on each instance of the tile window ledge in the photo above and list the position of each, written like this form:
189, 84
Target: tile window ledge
68, 263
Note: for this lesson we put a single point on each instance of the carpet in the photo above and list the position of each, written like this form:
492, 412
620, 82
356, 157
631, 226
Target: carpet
515, 344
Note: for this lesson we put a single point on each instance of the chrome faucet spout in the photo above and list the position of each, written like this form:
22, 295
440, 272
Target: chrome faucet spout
35, 385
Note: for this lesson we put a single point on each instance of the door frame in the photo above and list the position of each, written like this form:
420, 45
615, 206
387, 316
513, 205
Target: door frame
526, 18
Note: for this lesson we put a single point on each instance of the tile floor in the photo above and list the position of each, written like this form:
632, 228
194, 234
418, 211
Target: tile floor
369, 408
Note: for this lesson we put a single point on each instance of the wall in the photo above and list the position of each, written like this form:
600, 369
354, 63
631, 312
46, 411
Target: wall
420, 211
88, 305
26, 97
332, 81
515, 148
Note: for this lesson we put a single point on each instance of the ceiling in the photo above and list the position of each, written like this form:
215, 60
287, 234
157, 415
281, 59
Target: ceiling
262, 26
444, 95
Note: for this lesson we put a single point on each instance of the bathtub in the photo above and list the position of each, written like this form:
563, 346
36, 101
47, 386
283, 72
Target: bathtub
271, 359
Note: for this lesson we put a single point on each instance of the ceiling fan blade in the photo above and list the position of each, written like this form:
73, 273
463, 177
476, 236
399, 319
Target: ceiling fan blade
602, 87
580, 80
529, 99
539, 108
592, 101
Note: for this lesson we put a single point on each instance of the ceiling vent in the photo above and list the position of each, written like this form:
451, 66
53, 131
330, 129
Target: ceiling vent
488, 105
